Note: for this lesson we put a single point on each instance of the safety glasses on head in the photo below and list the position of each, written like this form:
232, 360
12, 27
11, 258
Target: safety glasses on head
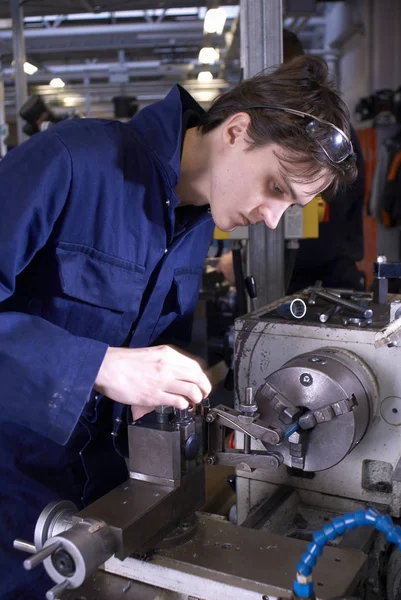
332, 140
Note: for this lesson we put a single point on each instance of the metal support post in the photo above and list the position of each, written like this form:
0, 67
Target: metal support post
21, 90
88, 98
261, 24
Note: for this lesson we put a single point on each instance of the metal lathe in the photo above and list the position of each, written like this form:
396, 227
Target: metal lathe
315, 433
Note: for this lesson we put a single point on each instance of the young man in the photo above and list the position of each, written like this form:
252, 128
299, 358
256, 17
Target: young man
332, 256
103, 234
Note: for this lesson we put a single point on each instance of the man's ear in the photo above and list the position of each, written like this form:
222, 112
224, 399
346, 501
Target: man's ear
235, 128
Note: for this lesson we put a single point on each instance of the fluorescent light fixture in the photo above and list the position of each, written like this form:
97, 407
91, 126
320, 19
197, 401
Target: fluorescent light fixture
208, 56
215, 19
205, 77
205, 95
71, 101
29, 68
56, 82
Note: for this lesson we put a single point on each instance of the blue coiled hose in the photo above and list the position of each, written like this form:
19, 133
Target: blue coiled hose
303, 584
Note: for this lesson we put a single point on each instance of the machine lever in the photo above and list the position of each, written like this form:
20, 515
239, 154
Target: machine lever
234, 423
36, 559
24, 546
250, 285
250, 426
55, 592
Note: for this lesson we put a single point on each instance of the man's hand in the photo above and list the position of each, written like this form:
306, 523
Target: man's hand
225, 266
145, 378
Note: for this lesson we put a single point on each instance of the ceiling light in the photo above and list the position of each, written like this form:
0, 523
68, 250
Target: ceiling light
208, 56
56, 82
72, 101
205, 77
215, 19
29, 68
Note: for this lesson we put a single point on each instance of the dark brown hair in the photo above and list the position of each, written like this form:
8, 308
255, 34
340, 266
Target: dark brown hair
300, 84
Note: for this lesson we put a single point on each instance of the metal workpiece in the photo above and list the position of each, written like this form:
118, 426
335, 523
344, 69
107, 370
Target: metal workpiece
357, 321
338, 394
292, 309
350, 305
342, 292
326, 315
311, 292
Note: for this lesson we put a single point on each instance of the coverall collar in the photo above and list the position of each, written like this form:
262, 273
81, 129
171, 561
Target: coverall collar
161, 126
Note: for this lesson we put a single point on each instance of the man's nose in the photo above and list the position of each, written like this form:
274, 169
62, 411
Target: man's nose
272, 217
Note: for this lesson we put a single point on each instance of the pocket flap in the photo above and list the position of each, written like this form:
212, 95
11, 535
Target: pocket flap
98, 278
187, 280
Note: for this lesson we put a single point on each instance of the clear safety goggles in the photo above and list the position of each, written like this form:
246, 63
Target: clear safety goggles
330, 138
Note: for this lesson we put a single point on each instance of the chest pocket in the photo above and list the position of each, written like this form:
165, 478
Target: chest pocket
187, 282
175, 322
101, 294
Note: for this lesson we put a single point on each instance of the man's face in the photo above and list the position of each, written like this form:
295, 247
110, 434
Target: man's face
253, 186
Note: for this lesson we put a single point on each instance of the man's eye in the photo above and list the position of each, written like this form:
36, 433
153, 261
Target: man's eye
277, 189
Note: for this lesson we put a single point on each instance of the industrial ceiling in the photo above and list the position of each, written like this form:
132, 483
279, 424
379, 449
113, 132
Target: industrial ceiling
139, 48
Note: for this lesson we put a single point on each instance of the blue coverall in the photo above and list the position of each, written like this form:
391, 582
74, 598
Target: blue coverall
91, 254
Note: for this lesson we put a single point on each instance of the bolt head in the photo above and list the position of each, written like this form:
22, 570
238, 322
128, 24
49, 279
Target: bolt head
306, 379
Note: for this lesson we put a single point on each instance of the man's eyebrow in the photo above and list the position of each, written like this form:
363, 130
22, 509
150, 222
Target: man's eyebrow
289, 186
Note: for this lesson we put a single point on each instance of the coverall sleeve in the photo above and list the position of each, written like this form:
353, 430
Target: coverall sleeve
46, 373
